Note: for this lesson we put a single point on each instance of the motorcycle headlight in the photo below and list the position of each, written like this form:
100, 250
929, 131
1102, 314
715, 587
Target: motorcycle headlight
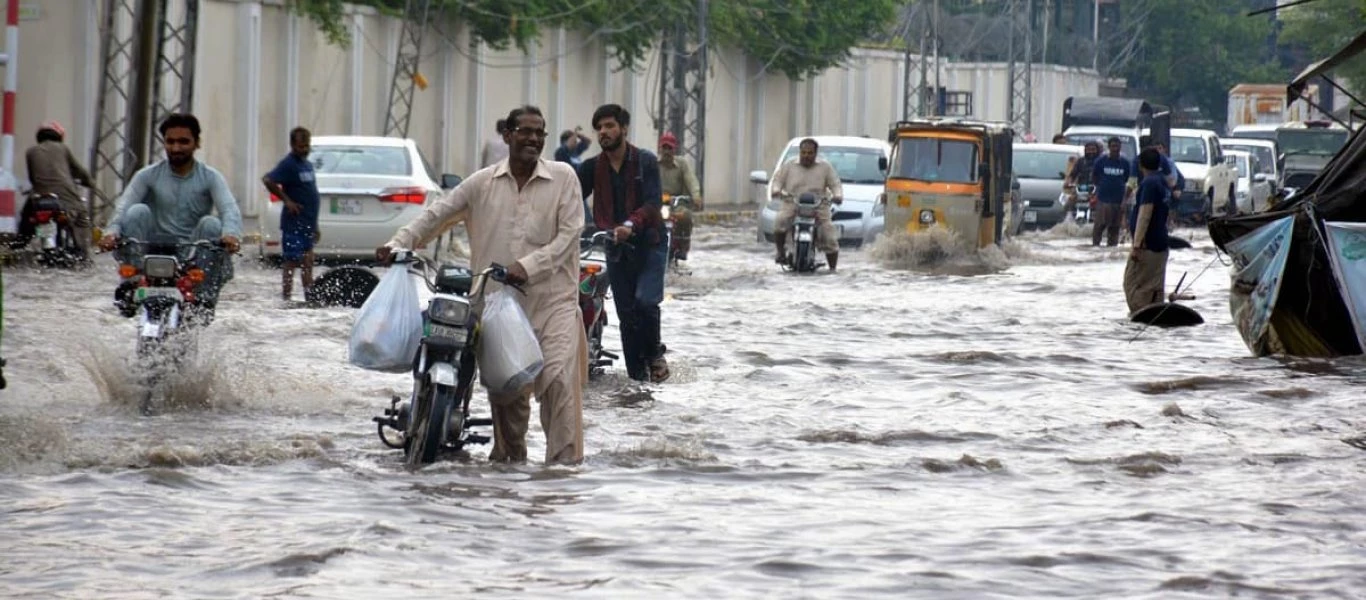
926, 216
159, 267
449, 311
664, 212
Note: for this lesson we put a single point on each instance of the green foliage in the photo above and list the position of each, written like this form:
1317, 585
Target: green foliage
798, 38
1323, 28
1194, 52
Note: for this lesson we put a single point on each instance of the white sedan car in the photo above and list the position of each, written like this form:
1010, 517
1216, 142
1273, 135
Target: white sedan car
369, 188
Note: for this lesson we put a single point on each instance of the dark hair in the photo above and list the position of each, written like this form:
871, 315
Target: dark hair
516, 113
48, 135
564, 137
299, 133
809, 142
1113, 140
1149, 159
612, 111
186, 120
1057, 137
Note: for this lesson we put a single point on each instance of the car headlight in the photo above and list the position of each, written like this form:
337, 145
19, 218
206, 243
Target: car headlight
926, 216
159, 267
449, 311
879, 209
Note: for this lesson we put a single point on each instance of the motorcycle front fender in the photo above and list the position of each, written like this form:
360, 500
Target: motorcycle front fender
442, 374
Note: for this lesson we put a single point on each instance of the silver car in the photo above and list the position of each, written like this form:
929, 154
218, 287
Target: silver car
369, 188
1041, 169
857, 161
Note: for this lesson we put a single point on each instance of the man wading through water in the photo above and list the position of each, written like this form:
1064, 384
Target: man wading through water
1145, 274
624, 183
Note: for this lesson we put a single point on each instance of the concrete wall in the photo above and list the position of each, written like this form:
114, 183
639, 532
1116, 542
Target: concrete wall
261, 71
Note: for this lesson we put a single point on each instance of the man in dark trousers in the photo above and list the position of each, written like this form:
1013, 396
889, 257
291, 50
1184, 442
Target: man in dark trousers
1111, 176
624, 183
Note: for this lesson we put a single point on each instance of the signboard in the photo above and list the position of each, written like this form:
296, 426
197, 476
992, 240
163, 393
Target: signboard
30, 10
1347, 249
1258, 263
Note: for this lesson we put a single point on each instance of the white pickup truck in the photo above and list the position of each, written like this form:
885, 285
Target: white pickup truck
1211, 181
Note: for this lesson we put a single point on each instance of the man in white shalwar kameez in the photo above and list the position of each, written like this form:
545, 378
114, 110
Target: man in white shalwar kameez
526, 213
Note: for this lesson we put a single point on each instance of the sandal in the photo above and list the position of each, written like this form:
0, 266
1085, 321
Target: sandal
659, 370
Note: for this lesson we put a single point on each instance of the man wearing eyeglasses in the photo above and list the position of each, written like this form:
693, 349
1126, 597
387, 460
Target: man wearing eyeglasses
525, 212
624, 183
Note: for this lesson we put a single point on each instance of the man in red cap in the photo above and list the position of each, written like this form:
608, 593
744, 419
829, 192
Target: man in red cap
52, 169
676, 178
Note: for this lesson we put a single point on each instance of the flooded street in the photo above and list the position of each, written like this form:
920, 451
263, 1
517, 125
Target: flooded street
970, 432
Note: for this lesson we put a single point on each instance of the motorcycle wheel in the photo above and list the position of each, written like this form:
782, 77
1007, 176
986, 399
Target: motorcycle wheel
427, 430
803, 259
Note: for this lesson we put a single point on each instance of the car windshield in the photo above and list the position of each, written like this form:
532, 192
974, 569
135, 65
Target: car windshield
1126, 143
1041, 164
935, 159
853, 165
1323, 142
1189, 149
361, 160
1265, 159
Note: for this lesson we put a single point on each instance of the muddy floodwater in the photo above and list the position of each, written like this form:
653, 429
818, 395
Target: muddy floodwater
977, 427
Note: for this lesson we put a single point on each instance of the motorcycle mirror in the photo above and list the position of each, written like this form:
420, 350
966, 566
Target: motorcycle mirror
449, 181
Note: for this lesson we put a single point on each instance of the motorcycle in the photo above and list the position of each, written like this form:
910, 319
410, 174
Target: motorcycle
1085, 203
54, 230
802, 255
436, 416
593, 288
675, 208
171, 297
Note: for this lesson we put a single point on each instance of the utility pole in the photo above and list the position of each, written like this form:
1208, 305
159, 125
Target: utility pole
406, 76
147, 49
683, 87
938, 91
1020, 103
921, 93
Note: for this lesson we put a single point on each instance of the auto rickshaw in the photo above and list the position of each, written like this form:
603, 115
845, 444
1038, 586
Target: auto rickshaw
949, 172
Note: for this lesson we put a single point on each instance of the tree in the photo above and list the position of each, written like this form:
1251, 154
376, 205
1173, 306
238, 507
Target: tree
1324, 27
798, 37
1192, 53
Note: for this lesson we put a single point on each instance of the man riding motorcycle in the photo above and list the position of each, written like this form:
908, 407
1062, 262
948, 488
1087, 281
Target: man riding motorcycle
52, 169
676, 178
797, 177
175, 199
1079, 175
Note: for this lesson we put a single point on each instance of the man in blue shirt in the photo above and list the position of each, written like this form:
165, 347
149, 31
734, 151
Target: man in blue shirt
1146, 272
294, 182
1111, 176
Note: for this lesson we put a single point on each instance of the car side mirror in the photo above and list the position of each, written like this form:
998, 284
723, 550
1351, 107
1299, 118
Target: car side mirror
882, 163
758, 177
449, 181
1260, 178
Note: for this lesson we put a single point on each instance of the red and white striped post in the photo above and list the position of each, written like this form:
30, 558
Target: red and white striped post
8, 182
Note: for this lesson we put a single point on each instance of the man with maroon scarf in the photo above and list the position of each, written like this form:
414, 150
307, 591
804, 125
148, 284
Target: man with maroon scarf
623, 181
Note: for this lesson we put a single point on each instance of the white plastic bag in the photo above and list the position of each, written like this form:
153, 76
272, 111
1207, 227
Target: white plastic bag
509, 353
388, 328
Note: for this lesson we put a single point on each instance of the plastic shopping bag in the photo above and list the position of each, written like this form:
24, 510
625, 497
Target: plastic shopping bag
388, 328
509, 353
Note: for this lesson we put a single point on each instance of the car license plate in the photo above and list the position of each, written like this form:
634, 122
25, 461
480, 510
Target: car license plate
1031, 217
152, 292
450, 333
346, 206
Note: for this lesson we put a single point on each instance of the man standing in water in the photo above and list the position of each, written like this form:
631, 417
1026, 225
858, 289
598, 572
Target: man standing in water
1111, 176
1146, 272
293, 182
525, 213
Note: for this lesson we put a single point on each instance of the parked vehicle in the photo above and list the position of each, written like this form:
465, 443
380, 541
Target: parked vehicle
593, 288
1306, 148
436, 416
1253, 192
1261, 131
1211, 181
952, 173
1266, 153
1097, 119
1041, 169
369, 187
857, 160
1266, 104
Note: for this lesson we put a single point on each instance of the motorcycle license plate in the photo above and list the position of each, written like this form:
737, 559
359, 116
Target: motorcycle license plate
1031, 217
46, 230
152, 292
346, 206
151, 330
450, 333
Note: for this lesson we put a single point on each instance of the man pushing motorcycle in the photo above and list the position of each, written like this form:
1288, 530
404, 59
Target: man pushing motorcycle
814, 175
175, 200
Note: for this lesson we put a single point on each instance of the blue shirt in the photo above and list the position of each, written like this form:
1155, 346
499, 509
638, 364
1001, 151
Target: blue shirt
1152, 190
178, 203
1167, 169
1111, 177
296, 176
